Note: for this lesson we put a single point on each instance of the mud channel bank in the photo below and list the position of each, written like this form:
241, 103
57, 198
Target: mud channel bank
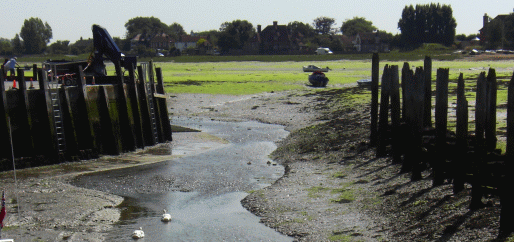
334, 188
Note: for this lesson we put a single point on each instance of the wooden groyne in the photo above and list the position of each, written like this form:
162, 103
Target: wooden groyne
403, 128
57, 123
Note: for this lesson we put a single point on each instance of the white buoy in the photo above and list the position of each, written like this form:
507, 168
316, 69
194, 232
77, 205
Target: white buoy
166, 217
138, 233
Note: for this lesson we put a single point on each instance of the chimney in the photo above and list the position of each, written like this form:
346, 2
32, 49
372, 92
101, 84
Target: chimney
275, 24
259, 28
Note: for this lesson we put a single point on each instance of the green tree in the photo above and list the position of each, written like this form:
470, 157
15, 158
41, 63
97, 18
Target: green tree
5, 47
433, 23
35, 35
234, 35
60, 47
177, 30
145, 25
323, 25
17, 45
301, 29
357, 25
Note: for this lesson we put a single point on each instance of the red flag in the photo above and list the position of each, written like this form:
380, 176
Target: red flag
2, 212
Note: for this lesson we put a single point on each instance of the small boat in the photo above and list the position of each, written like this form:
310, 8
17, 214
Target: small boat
318, 79
313, 68
364, 82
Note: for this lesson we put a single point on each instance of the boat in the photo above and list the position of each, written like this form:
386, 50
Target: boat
318, 79
313, 68
364, 82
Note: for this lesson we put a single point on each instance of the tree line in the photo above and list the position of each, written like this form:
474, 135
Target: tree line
430, 23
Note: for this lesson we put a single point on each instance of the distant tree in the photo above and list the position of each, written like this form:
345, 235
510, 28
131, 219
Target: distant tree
145, 25
323, 25
5, 47
35, 35
299, 28
60, 47
234, 35
17, 45
433, 23
357, 25
212, 35
177, 30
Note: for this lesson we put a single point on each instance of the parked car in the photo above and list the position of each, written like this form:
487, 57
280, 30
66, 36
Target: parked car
323, 51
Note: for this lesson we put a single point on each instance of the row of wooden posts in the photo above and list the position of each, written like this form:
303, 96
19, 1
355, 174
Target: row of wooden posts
65, 123
401, 126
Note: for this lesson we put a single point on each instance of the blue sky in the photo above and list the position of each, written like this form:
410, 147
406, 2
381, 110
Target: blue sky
71, 20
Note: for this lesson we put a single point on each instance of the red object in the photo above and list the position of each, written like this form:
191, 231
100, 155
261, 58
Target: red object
14, 84
2, 212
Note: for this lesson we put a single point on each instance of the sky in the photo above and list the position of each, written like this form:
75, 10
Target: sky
72, 19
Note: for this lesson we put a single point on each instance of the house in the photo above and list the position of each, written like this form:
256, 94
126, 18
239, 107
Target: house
371, 42
484, 38
161, 42
274, 39
188, 41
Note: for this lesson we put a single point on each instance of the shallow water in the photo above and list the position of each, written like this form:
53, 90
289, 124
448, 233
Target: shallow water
201, 191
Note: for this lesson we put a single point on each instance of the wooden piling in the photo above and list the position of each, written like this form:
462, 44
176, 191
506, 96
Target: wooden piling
396, 116
490, 128
461, 137
427, 115
374, 99
383, 124
441, 125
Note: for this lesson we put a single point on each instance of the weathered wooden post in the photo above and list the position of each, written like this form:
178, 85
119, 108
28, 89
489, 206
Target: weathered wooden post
441, 124
490, 128
86, 133
374, 99
136, 108
383, 125
414, 119
461, 135
395, 116
5, 132
427, 115
506, 198
128, 139
149, 136
162, 107
479, 156
406, 76
25, 121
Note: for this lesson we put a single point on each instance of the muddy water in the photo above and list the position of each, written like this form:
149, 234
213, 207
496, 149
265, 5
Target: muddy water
202, 190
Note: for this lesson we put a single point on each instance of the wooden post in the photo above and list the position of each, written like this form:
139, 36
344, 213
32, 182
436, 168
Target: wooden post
490, 128
427, 115
480, 119
145, 110
136, 108
26, 125
395, 115
506, 198
406, 76
5, 132
383, 126
374, 99
510, 119
458, 165
163, 107
441, 124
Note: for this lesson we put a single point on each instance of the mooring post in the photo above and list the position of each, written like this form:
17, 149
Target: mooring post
458, 165
427, 115
490, 128
374, 99
506, 198
417, 124
479, 157
383, 126
26, 123
149, 138
406, 76
395, 115
441, 124
135, 107
86, 140
164, 120
5, 133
